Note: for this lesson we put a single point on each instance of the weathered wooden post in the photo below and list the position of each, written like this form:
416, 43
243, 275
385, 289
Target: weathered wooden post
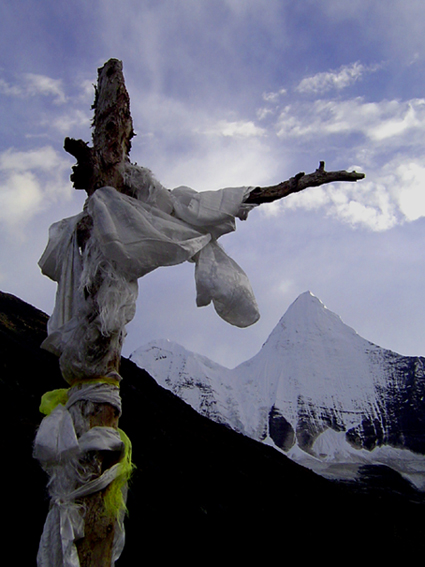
96, 351
130, 225
99, 166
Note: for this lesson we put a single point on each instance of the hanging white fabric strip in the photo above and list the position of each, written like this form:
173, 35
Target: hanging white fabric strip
57, 448
137, 237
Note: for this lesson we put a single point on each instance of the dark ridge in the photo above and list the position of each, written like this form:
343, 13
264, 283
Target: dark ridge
201, 492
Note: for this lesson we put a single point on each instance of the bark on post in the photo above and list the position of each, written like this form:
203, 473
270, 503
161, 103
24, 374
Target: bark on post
99, 166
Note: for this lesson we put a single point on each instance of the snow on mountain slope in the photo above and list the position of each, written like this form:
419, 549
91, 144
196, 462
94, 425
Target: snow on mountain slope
328, 398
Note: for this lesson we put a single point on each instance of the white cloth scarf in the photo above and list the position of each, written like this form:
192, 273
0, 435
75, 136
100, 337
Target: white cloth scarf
138, 235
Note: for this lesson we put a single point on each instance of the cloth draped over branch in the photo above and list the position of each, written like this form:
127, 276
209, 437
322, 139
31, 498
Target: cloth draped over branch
131, 236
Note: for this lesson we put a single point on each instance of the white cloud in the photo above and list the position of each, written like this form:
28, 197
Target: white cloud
221, 151
32, 84
70, 120
222, 162
392, 195
409, 189
240, 128
9, 90
369, 206
364, 204
237, 152
338, 79
378, 121
44, 159
45, 86
30, 181
263, 112
399, 119
271, 98
87, 90
274, 96
20, 197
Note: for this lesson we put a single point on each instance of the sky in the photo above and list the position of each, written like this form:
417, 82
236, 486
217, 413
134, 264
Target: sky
228, 93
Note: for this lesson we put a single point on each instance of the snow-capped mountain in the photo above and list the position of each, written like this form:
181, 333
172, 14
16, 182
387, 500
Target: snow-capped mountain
317, 391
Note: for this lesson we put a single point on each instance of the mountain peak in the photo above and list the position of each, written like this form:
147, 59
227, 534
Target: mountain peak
306, 303
308, 319
307, 295
317, 390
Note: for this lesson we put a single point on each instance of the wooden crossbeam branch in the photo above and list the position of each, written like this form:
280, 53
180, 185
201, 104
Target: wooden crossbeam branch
300, 182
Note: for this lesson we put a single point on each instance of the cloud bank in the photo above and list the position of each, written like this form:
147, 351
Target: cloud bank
30, 182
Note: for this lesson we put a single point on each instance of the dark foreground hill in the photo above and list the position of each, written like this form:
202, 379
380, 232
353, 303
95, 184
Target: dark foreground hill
201, 492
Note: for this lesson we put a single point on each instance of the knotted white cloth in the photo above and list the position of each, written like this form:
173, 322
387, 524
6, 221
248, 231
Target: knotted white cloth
57, 449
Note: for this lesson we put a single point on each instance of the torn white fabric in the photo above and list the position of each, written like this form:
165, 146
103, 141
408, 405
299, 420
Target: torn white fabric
220, 280
138, 238
131, 236
56, 439
57, 448
62, 262
97, 393
210, 211
136, 248
63, 526
101, 439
